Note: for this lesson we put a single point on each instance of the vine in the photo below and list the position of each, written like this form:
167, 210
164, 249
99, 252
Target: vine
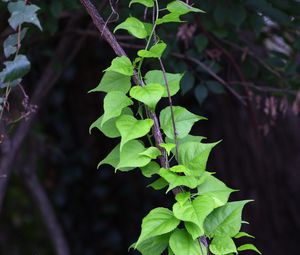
17, 65
201, 219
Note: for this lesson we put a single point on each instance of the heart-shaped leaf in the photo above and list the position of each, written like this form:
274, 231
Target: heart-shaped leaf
149, 95
130, 128
134, 26
159, 221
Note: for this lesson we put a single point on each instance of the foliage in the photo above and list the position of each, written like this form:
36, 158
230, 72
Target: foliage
202, 203
17, 65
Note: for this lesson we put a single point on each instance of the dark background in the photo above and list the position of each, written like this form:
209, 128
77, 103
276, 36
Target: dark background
99, 211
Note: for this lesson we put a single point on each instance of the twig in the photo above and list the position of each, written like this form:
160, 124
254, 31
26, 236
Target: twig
213, 74
43, 203
47, 81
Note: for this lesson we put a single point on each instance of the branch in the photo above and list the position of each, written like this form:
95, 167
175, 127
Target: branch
213, 74
43, 203
47, 81
112, 41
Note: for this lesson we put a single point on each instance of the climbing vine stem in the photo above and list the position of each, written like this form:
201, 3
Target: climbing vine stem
201, 220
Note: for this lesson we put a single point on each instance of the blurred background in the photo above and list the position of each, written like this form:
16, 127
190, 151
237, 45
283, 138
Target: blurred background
242, 71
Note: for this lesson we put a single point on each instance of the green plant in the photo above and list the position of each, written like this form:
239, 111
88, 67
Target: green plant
17, 65
201, 210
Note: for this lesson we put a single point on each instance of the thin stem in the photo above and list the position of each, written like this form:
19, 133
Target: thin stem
168, 88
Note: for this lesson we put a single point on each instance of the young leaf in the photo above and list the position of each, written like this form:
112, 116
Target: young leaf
149, 95
159, 184
130, 128
150, 169
168, 147
181, 243
112, 158
225, 220
121, 65
169, 18
221, 245
151, 152
154, 245
184, 120
243, 234
109, 129
159, 221
130, 155
181, 8
15, 69
216, 189
157, 76
175, 180
10, 43
182, 197
114, 103
248, 247
195, 155
193, 229
180, 169
155, 51
21, 13
147, 3
134, 26
194, 211
113, 81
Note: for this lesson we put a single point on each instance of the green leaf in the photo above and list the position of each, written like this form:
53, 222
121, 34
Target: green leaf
23, 13
248, 247
188, 82
149, 95
159, 221
169, 18
182, 197
159, 184
201, 42
175, 180
188, 138
215, 87
154, 245
109, 129
157, 76
151, 169
181, 8
10, 43
181, 243
134, 26
113, 159
221, 245
112, 81
180, 169
15, 69
155, 51
121, 65
225, 220
151, 152
193, 229
201, 93
130, 155
168, 147
147, 3
130, 128
216, 189
194, 156
114, 103
243, 234
194, 211
184, 120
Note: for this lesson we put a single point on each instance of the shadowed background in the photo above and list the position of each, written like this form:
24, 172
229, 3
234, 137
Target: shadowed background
253, 47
